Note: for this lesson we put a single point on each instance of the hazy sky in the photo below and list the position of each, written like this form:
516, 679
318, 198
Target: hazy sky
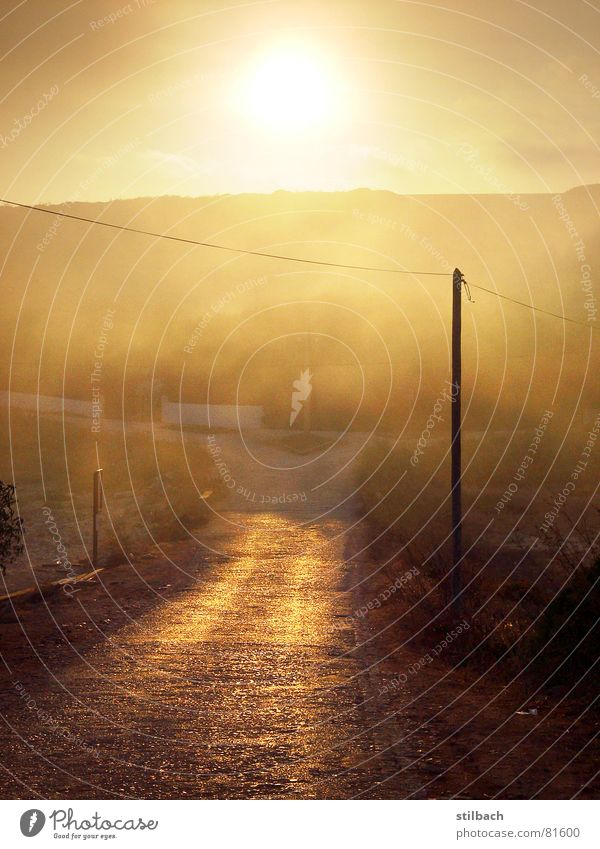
104, 99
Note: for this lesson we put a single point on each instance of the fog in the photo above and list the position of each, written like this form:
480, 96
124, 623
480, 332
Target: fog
122, 320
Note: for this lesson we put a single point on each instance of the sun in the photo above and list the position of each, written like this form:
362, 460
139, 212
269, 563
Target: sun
288, 89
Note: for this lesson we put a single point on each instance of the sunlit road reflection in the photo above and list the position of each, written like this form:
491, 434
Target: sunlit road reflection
242, 686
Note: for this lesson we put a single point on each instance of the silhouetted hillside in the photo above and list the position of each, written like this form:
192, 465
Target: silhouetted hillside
243, 318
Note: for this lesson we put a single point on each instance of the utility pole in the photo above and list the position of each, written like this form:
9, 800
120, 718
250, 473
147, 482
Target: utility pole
457, 281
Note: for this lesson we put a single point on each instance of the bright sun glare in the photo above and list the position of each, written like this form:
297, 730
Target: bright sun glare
287, 90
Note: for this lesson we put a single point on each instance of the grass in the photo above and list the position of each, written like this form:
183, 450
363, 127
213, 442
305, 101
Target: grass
517, 600
153, 488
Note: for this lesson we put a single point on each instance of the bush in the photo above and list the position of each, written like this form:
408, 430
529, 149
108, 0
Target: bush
567, 633
11, 527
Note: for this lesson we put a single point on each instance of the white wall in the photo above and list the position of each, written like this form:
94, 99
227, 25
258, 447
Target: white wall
212, 415
45, 403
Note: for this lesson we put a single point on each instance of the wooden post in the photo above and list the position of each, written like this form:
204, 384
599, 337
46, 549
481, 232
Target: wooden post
457, 280
96, 508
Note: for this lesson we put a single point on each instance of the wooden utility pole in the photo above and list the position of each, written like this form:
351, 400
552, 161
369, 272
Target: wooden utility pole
96, 508
457, 280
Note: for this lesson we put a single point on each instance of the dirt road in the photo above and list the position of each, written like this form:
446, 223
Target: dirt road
249, 677
247, 684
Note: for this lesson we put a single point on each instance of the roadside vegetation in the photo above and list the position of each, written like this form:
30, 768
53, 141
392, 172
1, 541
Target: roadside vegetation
11, 527
531, 598
155, 489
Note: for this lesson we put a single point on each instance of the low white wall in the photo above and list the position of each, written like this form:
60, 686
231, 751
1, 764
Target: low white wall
45, 403
221, 415
212, 415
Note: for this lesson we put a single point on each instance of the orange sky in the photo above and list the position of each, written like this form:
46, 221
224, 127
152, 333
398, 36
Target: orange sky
111, 99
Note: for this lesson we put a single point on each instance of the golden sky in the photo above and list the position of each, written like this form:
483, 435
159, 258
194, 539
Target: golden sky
104, 99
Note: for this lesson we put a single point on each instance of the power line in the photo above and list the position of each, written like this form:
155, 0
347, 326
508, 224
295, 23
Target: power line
221, 247
530, 306
284, 257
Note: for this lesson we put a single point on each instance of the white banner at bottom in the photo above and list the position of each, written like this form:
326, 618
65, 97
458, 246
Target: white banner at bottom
289, 824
